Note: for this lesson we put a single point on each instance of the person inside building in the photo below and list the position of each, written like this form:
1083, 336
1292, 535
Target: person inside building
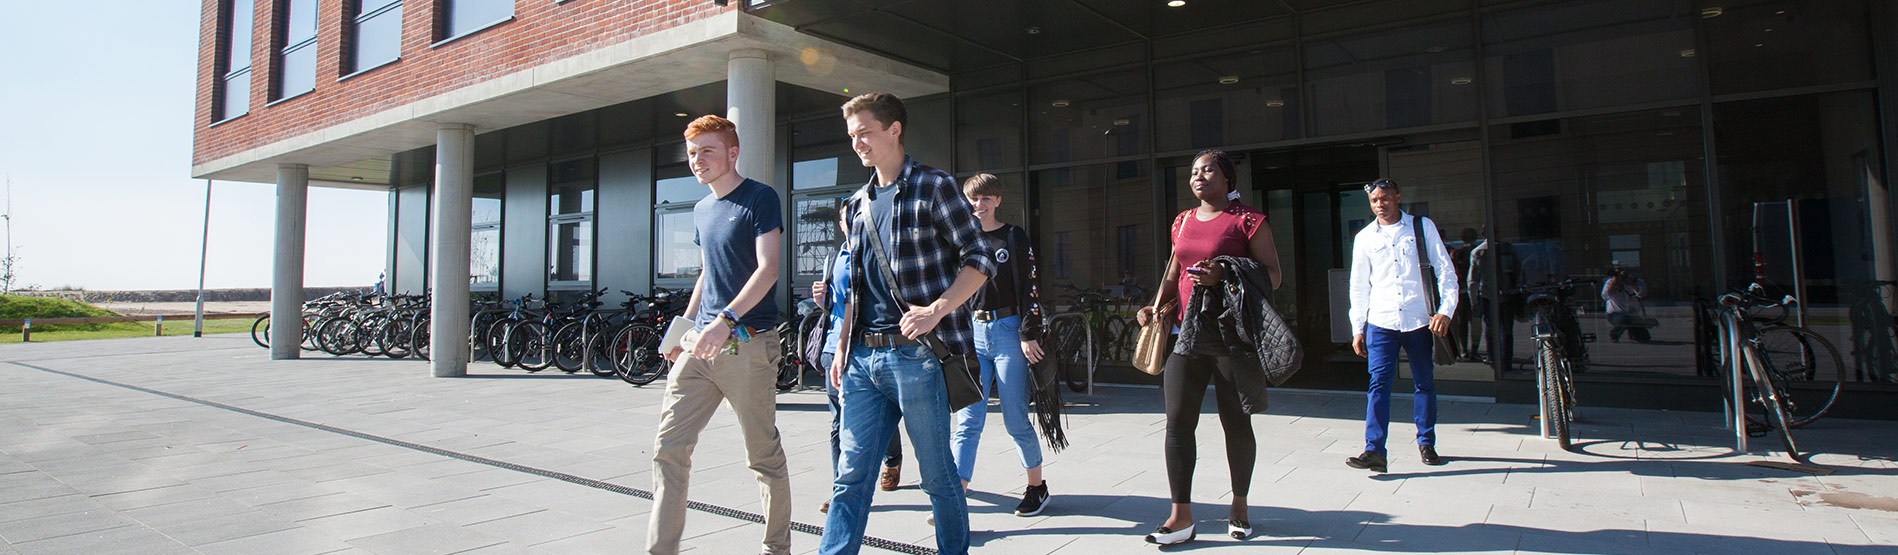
739, 228
913, 283
1007, 340
830, 294
1390, 311
1220, 227
1623, 292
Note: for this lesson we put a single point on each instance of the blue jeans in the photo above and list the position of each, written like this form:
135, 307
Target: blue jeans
1382, 346
892, 458
998, 347
882, 386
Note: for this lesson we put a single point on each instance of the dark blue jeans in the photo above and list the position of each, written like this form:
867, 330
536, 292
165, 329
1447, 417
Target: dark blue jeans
1382, 346
892, 457
882, 386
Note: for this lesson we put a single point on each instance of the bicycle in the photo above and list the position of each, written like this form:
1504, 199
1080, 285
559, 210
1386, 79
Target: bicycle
1782, 369
1559, 354
1875, 334
1094, 330
633, 351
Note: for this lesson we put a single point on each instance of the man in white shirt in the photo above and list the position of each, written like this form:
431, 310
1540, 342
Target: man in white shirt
1389, 311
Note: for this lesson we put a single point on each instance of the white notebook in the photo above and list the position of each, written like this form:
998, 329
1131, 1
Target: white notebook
675, 335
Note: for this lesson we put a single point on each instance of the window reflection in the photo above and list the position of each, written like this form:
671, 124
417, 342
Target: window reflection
1088, 118
677, 255
1389, 79
1575, 55
484, 247
1211, 101
1758, 45
1093, 227
1574, 196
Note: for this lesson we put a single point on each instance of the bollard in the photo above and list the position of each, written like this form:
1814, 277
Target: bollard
158, 330
26, 331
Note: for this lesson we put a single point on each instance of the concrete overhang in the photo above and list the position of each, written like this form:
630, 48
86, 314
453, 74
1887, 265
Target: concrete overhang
674, 59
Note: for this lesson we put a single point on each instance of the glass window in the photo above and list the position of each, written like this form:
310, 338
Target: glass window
1390, 79
1081, 242
1755, 45
296, 59
821, 157
570, 186
1820, 153
233, 97
488, 191
375, 34
1234, 99
570, 251
1088, 118
1575, 196
675, 182
988, 130
484, 257
460, 17
677, 255
574, 133
1577, 55
816, 237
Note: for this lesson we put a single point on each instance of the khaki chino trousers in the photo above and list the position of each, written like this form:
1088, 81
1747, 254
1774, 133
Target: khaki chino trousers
748, 380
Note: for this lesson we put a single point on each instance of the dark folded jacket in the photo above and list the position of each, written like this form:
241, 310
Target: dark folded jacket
1247, 326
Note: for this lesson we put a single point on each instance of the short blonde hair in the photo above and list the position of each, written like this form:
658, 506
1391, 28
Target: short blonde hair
713, 124
885, 107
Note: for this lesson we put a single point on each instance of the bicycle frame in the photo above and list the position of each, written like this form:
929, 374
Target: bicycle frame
1742, 356
1088, 350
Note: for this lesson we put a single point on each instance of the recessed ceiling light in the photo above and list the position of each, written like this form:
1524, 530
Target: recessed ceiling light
1460, 81
679, 114
1759, 44
1032, 30
1059, 104
1275, 103
1710, 13
1688, 53
1175, 3
1228, 80
1769, 29
357, 178
1123, 122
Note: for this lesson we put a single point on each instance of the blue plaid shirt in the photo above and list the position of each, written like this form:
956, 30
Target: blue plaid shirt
936, 235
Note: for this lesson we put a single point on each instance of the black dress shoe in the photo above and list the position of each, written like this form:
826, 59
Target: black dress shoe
1369, 460
1429, 455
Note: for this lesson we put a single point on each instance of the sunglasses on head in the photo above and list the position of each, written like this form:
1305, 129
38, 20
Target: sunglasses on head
1375, 185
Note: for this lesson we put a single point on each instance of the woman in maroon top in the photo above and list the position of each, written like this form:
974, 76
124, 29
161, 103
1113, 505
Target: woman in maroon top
1219, 226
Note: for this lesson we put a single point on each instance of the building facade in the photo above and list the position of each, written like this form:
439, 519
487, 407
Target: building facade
532, 146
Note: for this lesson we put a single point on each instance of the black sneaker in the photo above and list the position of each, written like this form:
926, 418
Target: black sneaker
1033, 500
1369, 460
1429, 455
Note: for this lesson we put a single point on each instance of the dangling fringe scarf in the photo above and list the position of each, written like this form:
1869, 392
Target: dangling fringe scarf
1045, 393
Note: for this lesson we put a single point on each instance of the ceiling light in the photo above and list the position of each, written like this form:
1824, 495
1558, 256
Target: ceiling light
1059, 104
357, 178
1688, 53
679, 114
1032, 30
1175, 3
1122, 122
1769, 29
1460, 81
1710, 13
1228, 80
1759, 44
1274, 103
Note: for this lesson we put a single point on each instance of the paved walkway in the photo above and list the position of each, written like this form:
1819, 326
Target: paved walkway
176, 445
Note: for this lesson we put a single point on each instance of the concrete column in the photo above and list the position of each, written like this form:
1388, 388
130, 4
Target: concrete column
448, 263
286, 281
751, 98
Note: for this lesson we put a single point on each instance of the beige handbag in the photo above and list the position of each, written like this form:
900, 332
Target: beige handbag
1156, 339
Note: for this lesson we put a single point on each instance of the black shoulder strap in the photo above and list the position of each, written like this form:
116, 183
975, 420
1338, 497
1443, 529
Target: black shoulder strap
1426, 272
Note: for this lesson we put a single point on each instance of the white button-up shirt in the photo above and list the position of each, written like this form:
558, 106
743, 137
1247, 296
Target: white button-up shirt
1386, 283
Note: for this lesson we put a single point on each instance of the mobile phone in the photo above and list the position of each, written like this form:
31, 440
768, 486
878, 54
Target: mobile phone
1195, 270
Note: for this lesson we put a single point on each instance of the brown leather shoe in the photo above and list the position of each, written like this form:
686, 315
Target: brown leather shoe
891, 476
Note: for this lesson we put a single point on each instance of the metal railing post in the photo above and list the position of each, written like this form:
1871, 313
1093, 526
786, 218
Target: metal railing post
1735, 366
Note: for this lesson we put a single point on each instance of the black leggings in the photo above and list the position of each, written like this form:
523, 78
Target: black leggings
1184, 383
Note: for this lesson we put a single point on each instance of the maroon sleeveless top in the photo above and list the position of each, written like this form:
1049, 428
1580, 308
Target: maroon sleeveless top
1229, 233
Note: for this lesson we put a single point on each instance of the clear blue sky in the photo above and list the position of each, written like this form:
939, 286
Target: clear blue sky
95, 134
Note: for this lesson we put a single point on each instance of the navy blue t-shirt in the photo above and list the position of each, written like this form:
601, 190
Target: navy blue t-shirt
727, 231
880, 312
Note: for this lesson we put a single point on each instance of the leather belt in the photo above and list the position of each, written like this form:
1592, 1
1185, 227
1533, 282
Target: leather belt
993, 315
881, 340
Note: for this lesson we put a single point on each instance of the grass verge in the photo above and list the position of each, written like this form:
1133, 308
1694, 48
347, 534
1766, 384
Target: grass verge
178, 326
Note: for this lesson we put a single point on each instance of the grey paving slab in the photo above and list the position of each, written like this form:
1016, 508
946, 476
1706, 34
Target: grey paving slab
219, 481
65, 524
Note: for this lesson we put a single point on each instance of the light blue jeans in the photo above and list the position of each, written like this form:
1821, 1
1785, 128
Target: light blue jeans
998, 346
882, 386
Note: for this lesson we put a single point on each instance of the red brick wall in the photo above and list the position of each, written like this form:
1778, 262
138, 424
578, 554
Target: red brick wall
542, 31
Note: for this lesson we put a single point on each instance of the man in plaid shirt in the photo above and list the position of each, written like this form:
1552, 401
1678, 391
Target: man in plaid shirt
933, 244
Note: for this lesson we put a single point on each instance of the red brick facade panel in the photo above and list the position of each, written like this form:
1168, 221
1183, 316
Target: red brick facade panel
541, 31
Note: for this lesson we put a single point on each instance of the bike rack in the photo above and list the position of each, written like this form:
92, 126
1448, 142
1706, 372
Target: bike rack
1730, 352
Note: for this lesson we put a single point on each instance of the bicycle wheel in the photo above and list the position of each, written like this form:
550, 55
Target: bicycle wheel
339, 336
789, 362
366, 333
419, 338
260, 331
497, 342
567, 348
1805, 368
1070, 351
600, 358
310, 324
1549, 363
527, 345
394, 338
478, 337
639, 362
1769, 396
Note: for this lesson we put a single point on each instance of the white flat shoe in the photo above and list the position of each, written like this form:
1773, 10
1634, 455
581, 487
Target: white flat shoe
1239, 530
1163, 536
